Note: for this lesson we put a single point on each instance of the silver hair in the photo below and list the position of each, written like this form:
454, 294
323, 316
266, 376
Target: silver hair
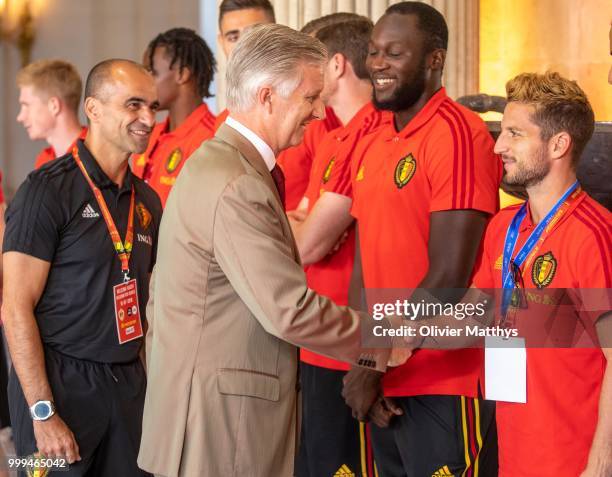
270, 55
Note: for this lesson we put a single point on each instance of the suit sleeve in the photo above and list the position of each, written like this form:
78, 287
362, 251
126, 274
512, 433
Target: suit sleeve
258, 260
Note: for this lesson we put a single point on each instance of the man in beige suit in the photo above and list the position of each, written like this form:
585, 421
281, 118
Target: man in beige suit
230, 301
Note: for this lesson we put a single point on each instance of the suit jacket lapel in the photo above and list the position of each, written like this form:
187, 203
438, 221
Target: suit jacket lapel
232, 137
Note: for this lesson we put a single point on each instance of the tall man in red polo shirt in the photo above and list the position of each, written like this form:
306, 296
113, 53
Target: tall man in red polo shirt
565, 426
183, 67
424, 187
49, 96
331, 439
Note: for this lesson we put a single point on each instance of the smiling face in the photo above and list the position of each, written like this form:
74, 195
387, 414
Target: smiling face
34, 113
233, 23
292, 114
396, 62
523, 152
124, 111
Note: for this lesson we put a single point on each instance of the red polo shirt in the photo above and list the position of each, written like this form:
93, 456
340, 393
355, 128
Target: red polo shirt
296, 161
330, 172
167, 152
551, 434
48, 153
221, 118
442, 160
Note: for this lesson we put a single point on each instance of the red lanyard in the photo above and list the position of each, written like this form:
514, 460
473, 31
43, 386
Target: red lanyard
123, 248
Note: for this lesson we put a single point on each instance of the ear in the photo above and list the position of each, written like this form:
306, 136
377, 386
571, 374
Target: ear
559, 145
338, 62
54, 105
437, 59
183, 75
92, 109
264, 98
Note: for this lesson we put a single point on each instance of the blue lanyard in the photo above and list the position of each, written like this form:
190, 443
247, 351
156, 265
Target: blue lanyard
510, 243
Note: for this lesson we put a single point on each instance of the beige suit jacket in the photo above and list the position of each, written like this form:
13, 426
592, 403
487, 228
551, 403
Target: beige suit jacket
229, 304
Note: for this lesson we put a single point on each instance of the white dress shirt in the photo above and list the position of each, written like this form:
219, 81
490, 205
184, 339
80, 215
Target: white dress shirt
258, 143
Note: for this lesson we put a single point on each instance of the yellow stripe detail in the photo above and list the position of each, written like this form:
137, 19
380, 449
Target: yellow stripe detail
478, 435
375, 470
362, 442
468, 461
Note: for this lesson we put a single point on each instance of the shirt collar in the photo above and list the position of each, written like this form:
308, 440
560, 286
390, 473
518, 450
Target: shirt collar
95, 171
262, 148
421, 118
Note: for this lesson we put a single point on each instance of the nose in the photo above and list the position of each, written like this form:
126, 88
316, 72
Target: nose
21, 116
147, 117
500, 144
376, 62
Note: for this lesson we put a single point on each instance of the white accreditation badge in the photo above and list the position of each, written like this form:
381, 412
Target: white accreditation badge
505, 369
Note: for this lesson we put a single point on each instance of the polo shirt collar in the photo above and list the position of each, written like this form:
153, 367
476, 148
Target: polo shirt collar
421, 118
263, 149
191, 122
356, 121
97, 174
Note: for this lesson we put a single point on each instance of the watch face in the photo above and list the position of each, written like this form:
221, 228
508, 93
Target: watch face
42, 410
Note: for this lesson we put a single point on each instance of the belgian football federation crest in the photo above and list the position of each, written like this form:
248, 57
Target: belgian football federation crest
404, 171
174, 159
544, 269
144, 216
328, 170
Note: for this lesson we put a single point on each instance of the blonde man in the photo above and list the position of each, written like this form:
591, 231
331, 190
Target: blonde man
49, 96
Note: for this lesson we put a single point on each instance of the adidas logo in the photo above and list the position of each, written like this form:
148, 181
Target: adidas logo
443, 472
89, 212
344, 471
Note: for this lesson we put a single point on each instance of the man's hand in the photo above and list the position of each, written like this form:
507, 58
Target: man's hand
54, 439
383, 411
399, 356
361, 389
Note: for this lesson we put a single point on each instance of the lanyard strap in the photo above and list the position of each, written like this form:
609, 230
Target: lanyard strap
123, 248
530, 248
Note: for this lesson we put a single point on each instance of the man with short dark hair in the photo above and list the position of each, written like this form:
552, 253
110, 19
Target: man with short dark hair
79, 247
234, 17
49, 96
424, 186
331, 439
183, 67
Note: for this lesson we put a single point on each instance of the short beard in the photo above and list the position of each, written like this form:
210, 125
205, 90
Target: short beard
406, 95
531, 174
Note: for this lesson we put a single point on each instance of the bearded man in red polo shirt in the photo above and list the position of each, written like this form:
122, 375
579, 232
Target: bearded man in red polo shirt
424, 187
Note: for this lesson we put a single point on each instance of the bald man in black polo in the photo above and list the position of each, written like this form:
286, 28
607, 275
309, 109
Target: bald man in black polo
78, 250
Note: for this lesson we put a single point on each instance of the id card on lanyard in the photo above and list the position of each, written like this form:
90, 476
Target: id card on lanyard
125, 295
506, 360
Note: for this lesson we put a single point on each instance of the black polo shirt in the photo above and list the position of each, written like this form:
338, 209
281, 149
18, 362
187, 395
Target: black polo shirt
55, 217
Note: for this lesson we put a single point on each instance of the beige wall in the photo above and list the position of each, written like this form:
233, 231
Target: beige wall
568, 36
83, 32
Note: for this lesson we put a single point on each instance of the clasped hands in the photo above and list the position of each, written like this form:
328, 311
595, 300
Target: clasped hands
362, 389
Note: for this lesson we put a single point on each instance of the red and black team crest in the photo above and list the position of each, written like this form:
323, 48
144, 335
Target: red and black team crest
404, 171
174, 159
543, 270
328, 170
144, 216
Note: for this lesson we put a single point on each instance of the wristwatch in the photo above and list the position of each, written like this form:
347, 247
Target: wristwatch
42, 410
